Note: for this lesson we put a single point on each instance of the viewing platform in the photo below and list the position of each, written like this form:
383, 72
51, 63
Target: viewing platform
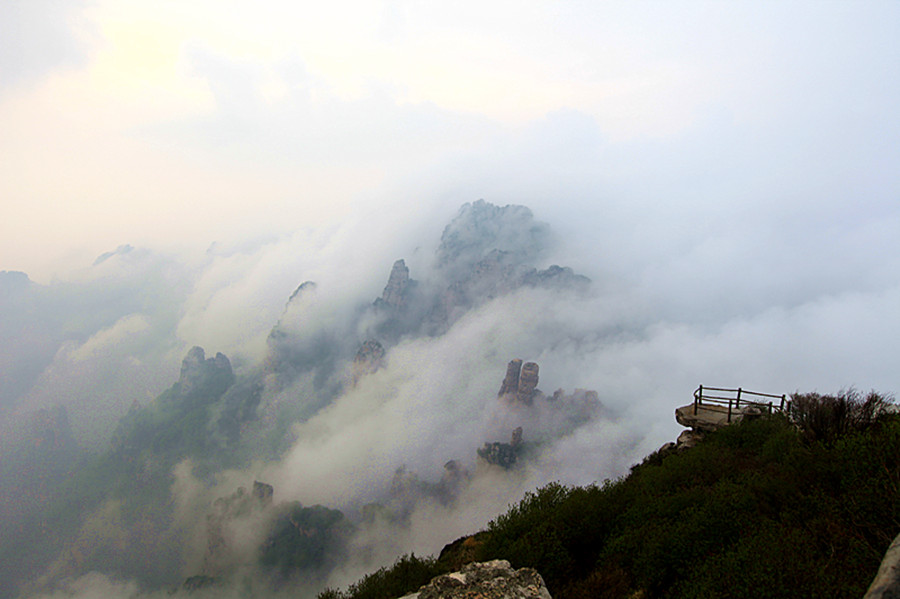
715, 407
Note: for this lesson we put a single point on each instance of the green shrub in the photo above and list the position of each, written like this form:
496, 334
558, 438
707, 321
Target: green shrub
406, 575
826, 418
773, 507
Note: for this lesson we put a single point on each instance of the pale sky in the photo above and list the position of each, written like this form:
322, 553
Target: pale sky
171, 125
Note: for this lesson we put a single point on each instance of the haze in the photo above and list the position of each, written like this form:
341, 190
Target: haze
170, 172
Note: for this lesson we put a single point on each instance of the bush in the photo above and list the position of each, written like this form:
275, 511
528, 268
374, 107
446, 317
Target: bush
826, 418
406, 576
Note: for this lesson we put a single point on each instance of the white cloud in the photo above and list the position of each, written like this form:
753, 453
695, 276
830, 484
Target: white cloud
125, 327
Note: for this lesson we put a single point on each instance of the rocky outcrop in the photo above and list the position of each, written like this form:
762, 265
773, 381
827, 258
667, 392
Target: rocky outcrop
462, 551
202, 376
711, 417
402, 306
556, 276
516, 439
480, 228
511, 380
394, 294
488, 580
369, 358
528, 380
504, 455
520, 382
688, 439
545, 417
487, 251
886, 584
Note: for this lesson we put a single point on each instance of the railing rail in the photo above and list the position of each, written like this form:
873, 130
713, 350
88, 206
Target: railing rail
734, 398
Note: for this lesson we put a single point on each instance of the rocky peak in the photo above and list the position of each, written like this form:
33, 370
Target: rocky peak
191, 364
303, 290
528, 380
481, 227
119, 251
200, 375
557, 277
394, 294
511, 380
520, 382
302, 287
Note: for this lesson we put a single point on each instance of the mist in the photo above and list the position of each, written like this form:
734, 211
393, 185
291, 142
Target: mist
639, 199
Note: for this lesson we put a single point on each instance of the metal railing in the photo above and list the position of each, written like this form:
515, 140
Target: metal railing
735, 398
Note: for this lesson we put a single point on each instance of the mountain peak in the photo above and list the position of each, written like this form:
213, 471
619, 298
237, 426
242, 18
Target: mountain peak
480, 228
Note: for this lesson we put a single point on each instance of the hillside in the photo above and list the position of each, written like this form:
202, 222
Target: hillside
762, 508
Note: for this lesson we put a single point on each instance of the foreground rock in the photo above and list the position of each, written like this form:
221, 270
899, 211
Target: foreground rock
887, 582
487, 580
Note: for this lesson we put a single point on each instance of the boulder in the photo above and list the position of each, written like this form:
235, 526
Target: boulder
489, 580
886, 584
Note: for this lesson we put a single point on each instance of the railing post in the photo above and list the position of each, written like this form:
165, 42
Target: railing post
738, 404
729, 411
770, 407
698, 398
782, 403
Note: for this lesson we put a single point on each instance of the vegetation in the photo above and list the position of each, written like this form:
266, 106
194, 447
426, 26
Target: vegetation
772, 507
302, 538
408, 573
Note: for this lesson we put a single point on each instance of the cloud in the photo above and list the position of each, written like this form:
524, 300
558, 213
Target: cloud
39, 37
726, 178
124, 328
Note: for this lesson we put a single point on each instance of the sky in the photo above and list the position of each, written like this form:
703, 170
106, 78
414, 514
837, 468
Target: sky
173, 125
710, 166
